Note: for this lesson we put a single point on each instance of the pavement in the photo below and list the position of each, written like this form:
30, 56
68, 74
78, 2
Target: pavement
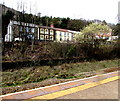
65, 90
104, 91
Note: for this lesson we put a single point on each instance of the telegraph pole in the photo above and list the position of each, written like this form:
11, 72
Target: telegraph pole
119, 12
119, 17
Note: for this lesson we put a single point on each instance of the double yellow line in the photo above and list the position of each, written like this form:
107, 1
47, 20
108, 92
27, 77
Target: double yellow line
75, 89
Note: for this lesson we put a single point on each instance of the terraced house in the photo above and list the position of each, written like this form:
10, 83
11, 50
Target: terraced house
46, 33
21, 31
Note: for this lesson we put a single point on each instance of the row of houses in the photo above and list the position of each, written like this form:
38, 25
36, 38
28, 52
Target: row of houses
21, 31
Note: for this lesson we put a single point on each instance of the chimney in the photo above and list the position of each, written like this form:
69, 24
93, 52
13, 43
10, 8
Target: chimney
52, 26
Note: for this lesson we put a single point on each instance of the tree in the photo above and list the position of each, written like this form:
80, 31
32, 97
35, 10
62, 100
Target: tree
104, 22
79, 37
64, 23
44, 20
116, 29
5, 21
94, 29
56, 22
77, 25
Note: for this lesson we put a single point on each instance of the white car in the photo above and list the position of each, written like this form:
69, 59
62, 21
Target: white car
18, 39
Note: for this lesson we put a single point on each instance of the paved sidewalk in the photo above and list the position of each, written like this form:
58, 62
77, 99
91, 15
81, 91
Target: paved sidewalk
104, 91
57, 90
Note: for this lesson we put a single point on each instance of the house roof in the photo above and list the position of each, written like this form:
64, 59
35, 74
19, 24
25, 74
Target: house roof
34, 25
57, 29
60, 29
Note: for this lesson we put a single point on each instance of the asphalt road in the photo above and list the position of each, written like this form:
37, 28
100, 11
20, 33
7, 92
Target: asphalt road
104, 91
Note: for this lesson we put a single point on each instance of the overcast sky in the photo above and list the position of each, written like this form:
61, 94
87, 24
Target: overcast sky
88, 9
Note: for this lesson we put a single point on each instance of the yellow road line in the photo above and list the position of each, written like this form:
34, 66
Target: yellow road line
75, 89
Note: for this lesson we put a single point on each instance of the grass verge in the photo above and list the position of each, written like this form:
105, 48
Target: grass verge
27, 78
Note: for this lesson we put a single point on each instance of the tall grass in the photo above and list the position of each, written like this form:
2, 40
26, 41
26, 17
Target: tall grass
13, 77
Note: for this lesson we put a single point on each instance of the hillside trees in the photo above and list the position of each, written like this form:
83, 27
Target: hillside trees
64, 23
56, 21
77, 25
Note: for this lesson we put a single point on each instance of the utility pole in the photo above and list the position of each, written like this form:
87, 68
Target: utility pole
32, 34
32, 29
119, 12
119, 17
24, 22
1, 45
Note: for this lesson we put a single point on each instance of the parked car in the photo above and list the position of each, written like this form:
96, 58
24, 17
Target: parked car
18, 39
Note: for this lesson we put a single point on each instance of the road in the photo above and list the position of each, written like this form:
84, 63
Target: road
104, 91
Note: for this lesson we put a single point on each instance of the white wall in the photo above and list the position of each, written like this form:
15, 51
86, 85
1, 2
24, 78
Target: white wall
9, 35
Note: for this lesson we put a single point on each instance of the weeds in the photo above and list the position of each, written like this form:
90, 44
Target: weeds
65, 71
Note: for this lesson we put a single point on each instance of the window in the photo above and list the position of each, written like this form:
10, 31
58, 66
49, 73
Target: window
46, 37
72, 35
51, 32
65, 34
46, 31
60, 33
41, 37
41, 30
51, 37
21, 28
32, 30
60, 39
27, 29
